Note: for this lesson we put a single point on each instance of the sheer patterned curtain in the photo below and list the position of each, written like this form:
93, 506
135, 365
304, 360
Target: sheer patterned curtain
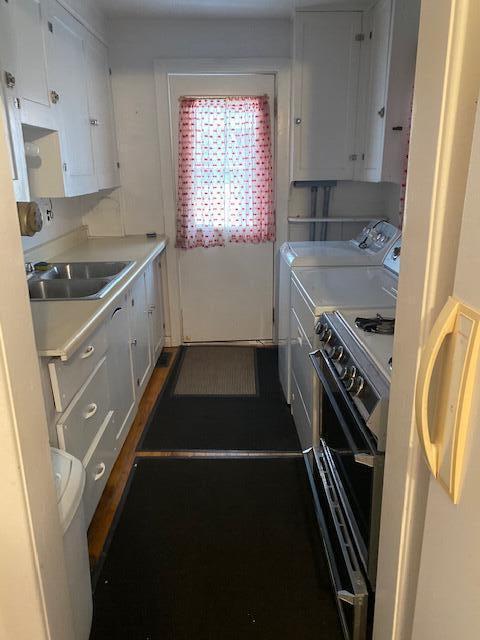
225, 174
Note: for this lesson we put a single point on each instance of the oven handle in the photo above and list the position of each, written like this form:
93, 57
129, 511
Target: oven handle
358, 454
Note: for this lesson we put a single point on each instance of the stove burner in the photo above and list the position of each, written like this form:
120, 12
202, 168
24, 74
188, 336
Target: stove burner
379, 324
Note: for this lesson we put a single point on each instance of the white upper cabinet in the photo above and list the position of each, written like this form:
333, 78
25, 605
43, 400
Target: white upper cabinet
101, 115
325, 88
391, 28
67, 70
10, 102
30, 22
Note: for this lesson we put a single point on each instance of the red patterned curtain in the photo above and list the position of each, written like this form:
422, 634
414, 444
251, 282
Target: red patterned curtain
225, 174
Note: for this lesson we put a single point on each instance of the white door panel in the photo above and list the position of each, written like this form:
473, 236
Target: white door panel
226, 292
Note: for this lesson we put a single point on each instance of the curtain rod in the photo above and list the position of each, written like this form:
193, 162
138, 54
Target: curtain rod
220, 97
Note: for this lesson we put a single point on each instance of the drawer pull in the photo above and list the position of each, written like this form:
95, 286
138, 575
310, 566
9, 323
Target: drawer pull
88, 352
101, 468
91, 411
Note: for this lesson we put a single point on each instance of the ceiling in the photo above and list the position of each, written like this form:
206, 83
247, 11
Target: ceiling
216, 8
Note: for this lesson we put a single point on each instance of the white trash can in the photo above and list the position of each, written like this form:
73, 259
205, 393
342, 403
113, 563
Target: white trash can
69, 477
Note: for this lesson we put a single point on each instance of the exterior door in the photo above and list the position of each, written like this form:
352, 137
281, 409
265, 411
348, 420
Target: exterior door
226, 293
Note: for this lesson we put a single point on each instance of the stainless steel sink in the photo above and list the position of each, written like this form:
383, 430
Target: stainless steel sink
68, 289
76, 280
83, 270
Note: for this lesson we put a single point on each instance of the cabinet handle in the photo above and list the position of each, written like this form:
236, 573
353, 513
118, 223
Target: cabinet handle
134, 342
298, 121
101, 468
88, 352
116, 311
91, 411
94, 122
381, 112
10, 79
54, 97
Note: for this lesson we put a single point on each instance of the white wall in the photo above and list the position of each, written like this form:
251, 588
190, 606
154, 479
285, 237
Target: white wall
134, 45
67, 216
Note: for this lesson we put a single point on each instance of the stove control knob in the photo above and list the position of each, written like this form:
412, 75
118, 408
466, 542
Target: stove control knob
337, 354
359, 383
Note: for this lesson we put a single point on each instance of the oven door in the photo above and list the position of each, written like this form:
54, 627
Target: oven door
349, 585
349, 448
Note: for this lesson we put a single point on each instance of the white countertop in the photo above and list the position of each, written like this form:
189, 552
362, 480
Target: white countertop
61, 326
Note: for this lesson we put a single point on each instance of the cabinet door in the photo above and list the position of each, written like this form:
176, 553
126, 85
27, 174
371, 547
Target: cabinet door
379, 18
101, 115
155, 307
68, 79
30, 24
119, 364
140, 334
325, 81
10, 103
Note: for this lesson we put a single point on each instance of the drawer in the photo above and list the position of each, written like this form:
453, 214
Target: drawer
98, 465
301, 365
300, 417
67, 377
82, 420
303, 312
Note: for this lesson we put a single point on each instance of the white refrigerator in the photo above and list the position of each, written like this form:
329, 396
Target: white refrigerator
448, 595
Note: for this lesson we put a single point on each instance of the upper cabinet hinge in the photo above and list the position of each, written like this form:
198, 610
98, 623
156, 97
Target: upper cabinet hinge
110, 71
50, 26
359, 37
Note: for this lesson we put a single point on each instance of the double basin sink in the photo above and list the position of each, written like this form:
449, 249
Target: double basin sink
75, 280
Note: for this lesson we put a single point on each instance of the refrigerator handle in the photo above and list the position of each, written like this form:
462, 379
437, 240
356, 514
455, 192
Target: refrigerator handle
443, 326
449, 449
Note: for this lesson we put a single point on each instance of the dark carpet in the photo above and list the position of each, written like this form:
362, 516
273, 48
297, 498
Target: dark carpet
220, 549
240, 423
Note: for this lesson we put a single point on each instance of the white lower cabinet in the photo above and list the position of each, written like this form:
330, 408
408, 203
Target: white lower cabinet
140, 334
120, 369
83, 419
155, 307
97, 390
98, 465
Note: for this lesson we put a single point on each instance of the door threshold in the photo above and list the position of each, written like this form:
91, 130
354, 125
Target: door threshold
232, 343
218, 454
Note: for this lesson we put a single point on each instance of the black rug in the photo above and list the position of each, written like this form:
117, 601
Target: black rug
241, 423
216, 550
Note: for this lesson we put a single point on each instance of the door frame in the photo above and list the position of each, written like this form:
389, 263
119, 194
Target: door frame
34, 596
278, 67
447, 83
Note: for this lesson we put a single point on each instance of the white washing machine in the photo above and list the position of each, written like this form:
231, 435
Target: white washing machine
314, 291
368, 248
